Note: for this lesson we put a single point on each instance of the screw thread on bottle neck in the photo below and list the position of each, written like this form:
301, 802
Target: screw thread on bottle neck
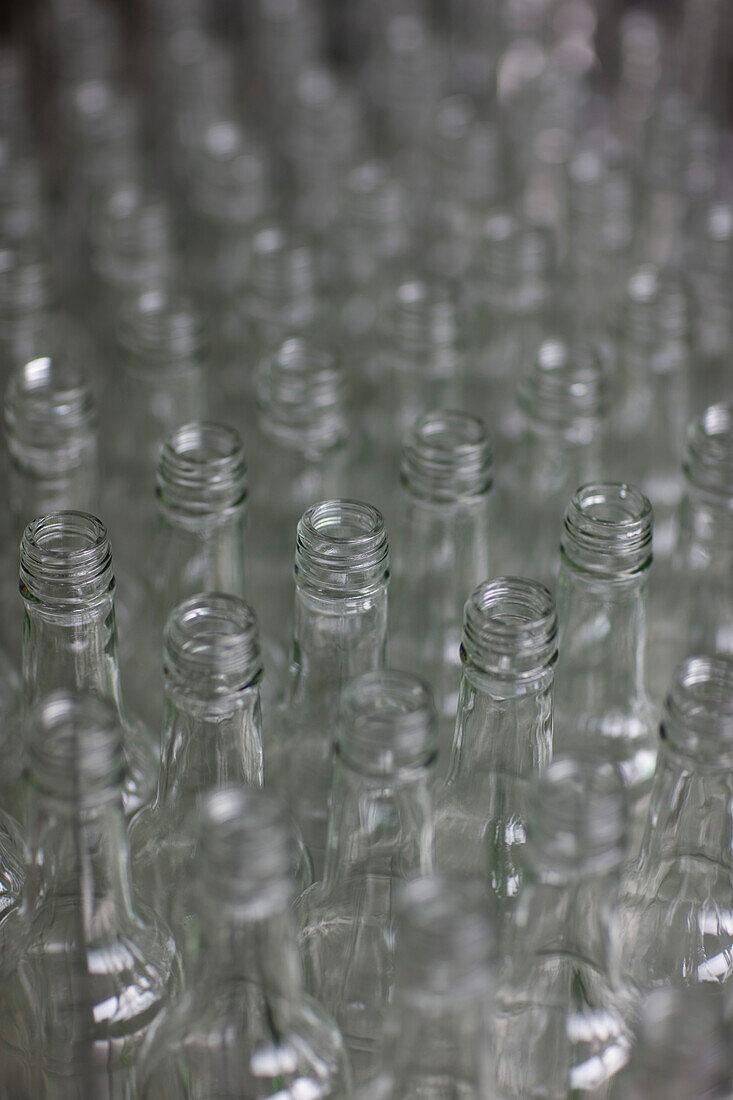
566, 386
388, 724
66, 562
708, 461
212, 649
447, 457
510, 630
50, 417
342, 550
607, 531
301, 394
202, 475
698, 713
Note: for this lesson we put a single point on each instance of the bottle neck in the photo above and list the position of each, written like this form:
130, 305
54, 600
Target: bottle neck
71, 650
209, 746
205, 557
260, 951
380, 828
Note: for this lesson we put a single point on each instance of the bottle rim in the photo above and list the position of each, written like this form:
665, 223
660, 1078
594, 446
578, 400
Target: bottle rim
212, 647
164, 333
510, 629
708, 462
387, 723
447, 457
50, 416
607, 531
566, 385
698, 713
342, 550
66, 561
301, 396
202, 474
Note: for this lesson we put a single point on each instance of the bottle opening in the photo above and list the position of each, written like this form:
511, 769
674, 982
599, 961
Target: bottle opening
510, 629
66, 561
202, 474
301, 393
565, 386
447, 457
50, 416
212, 646
698, 713
388, 723
342, 549
708, 462
607, 530
164, 330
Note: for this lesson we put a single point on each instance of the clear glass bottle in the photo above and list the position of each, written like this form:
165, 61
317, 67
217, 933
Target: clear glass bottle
564, 403
503, 734
303, 453
711, 261
601, 698
677, 903
682, 1048
70, 637
562, 1009
339, 631
380, 832
245, 1027
212, 736
436, 1033
443, 544
100, 968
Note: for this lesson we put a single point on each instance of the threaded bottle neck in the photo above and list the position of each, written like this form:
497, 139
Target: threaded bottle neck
212, 650
374, 210
656, 310
510, 630
698, 712
66, 562
50, 418
202, 476
708, 461
446, 457
607, 532
164, 334
387, 725
517, 261
342, 551
283, 275
421, 325
566, 387
301, 395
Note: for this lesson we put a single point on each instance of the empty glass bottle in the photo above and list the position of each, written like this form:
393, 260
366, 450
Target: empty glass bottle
340, 631
560, 1026
682, 1048
443, 538
212, 736
245, 1027
503, 735
380, 832
99, 968
677, 906
436, 1034
601, 699
712, 263
70, 637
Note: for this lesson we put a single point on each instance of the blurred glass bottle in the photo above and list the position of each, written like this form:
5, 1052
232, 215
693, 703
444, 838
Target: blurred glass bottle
303, 452
682, 1048
443, 550
70, 637
564, 403
339, 631
91, 1017
711, 262
245, 1026
601, 699
212, 736
29, 307
677, 905
560, 1026
503, 734
436, 1032
380, 832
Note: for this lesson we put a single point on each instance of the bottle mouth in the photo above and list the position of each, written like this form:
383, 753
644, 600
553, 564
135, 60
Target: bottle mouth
447, 457
163, 331
342, 550
66, 561
708, 462
387, 724
212, 647
657, 307
50, 416
607, 531
301, 394
282, 269
565, 386
698, 712
578, 819
510, 629
75, 756
517, 258
421, 322
202, 474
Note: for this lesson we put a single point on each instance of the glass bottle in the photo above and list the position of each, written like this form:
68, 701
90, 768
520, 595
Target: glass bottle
443, 551
339, 631
560, 1026
245, 1027
711, 261
380, 832
503, 733
437, 1029
99, 968
303, 453
564, 405
682, 1048
600, 696
677, 903
70, 638
212, 736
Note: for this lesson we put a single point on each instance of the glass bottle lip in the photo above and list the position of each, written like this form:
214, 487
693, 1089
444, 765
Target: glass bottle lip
342, 550
66, 562
517, 259
566, 385
698, 712
212, 647
202, 474
244, 852
419, 323
283, 271
607, 531
708, 461
447, 457
163, 331
301, 396
387, 724
578, 819
75, 753
50, 416
510, 629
